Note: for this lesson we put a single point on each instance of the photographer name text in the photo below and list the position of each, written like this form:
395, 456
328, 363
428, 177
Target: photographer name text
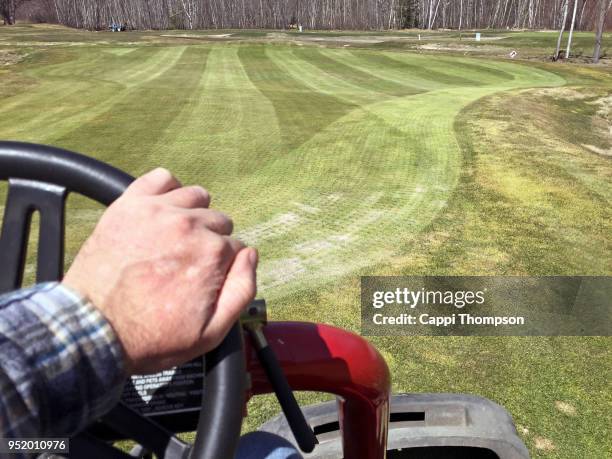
413, 299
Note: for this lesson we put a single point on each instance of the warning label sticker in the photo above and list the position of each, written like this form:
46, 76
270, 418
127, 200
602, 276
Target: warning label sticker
171, 391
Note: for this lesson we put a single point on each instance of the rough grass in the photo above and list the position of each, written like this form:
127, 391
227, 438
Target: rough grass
338, 162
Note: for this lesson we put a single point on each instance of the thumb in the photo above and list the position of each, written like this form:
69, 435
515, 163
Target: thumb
238, 290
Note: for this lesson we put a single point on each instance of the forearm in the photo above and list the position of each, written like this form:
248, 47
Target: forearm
61, 365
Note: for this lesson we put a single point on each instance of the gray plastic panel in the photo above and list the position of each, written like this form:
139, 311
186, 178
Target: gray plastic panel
422, 420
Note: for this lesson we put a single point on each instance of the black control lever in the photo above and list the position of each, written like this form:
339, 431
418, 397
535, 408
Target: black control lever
253, 320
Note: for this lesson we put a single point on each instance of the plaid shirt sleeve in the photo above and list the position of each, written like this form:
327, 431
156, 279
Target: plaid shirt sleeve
61, 364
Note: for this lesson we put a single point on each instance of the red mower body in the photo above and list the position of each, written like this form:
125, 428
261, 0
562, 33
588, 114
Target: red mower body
321, 358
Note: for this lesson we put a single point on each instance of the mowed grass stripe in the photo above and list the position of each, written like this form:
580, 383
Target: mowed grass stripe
388, 187
428, 69
365, 81
153, 104
451, 70
302, 69
157, 61
74, 66
394, 166
93, 65
75, 98
46, 87
227, 132
300, 110
418, 74
477, 68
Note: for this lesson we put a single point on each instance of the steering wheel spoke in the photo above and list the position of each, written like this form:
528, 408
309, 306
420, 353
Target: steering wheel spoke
148, 433
24, 198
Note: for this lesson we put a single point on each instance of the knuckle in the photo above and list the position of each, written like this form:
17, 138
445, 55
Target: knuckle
153, 209
183, 224
224, 223
217, 247
191, 192
200, 193
196, 195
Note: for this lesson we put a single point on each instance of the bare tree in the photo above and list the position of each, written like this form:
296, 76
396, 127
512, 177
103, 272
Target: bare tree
563, 21
7, 10
569, 40
604, 6
317, 14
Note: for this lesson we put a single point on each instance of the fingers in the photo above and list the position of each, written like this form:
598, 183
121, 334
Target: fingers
235, 245
188, 197
238, 290
213, 220
158, 181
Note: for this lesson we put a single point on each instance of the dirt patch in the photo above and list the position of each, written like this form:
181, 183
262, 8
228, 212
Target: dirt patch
10, 57
565, 408
602, 122
598, 150
564, 93
330, 39
543, 444
458, 48
362, 40
605, 108
277, 36
54, 43
198, 36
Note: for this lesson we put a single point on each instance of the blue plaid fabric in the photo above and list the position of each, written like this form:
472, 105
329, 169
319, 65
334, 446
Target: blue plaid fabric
61, 365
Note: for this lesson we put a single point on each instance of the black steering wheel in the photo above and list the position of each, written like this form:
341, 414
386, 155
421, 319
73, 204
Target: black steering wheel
40, 178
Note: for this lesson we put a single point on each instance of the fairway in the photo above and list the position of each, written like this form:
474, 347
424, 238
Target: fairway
337, 161
327, 159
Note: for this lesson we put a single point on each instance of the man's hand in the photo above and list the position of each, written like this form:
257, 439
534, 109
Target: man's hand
163, 270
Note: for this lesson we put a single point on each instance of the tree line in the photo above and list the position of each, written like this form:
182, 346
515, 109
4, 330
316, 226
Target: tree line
312, 14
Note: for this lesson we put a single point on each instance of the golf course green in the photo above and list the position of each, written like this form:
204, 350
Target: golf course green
339, 161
